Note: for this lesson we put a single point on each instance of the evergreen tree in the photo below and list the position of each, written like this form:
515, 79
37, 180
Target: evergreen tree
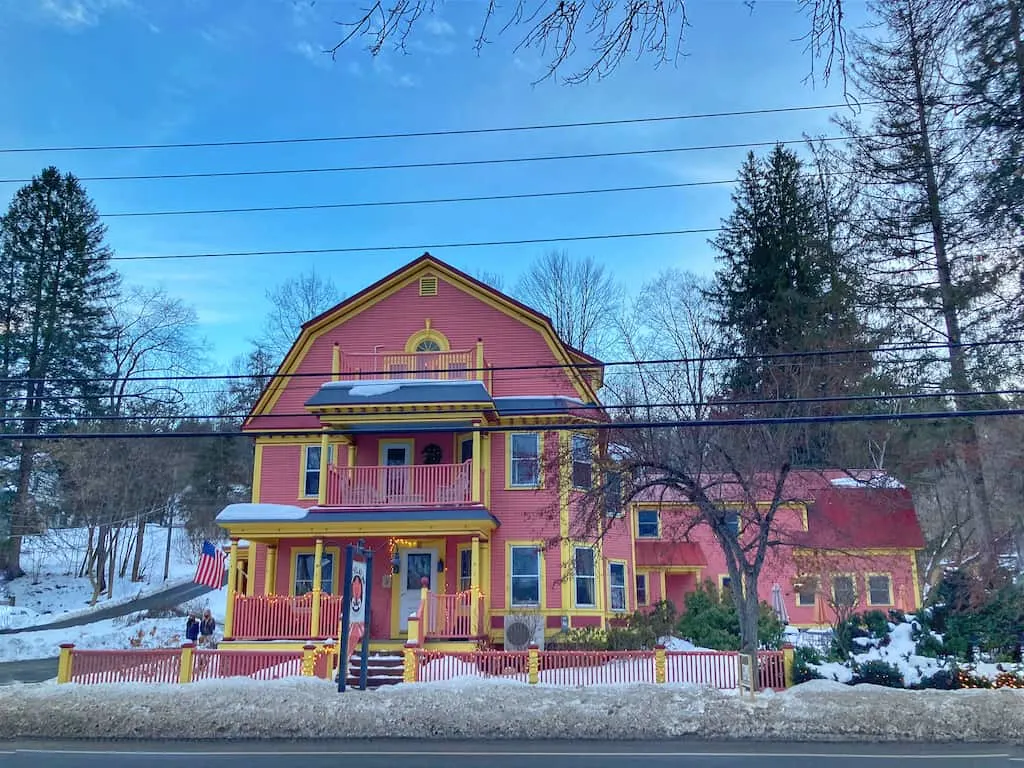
933, 276
56, 273
782, 287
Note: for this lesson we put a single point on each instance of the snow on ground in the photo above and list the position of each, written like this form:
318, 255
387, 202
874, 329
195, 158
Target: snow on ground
51, 590
310, 708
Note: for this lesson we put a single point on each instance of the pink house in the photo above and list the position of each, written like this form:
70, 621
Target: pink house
425, 416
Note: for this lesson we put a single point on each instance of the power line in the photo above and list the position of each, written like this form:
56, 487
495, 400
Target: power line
886, 349
424, 134
628, 426
825, 399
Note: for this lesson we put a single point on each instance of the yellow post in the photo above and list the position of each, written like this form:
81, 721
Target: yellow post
410, 672
336, 363
64, 663
425, 604
476, 466
479, 365
788, 659
474, 588
533, 676
187, 662
660, 664
308, 660
269, 573
250, 569
314, 614
229, 611
321, 495
414, 629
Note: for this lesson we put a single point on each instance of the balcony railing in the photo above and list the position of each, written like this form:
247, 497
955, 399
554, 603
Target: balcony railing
411, 485
284, 617
454, 365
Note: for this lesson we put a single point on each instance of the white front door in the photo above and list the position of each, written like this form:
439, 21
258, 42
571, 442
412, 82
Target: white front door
417, 564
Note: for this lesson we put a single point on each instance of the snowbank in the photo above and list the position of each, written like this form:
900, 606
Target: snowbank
310, 708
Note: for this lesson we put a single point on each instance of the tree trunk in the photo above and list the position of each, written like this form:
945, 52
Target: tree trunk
21, 513
140, 535
128, 549
112, 561
749, 611
969, 444
84, 569
99, 570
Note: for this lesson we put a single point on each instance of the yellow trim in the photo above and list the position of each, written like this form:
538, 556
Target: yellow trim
186, 664
474, 585
427, 334
646, 576
347, 310
664, 587
64, 665
335, 362
325, 462
437, 546
408, 442
250, 572
257, 472
542, 577
916, 579
540, 461
229, 610
293, 566
269, 569
487, 468
565, 553
636, 525
812, 552
312, 439
475, 467
285, 530
867, 590
625, 586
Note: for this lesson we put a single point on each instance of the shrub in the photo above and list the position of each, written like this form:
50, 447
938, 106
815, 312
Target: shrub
580, 639
657, 622
877, 672
627, 639
710, 620
927, 644
876, 624
802, 659
943, 680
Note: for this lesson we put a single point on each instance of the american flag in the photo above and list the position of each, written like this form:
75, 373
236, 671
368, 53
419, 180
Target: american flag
211, 567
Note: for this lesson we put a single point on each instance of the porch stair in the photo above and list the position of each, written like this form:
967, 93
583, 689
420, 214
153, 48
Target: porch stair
382, 668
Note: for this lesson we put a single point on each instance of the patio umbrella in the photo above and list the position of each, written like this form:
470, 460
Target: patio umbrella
779, 604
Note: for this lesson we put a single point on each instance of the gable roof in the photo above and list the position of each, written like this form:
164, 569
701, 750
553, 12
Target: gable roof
368, 296
862, 518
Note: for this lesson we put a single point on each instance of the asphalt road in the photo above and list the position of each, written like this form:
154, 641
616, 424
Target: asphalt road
31, 671
410, 754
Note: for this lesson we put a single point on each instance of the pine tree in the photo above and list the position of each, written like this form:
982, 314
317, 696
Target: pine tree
55, 267
933, 277
782, 287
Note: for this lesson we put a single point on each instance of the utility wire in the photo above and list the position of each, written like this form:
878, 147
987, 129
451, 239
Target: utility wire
424, 134
892, 348
512, 411
627, 426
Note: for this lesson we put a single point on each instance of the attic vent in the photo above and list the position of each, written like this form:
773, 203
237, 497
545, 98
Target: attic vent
428, 286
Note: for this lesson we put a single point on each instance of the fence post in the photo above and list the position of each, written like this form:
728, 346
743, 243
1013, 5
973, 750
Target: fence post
788, 659
533, 676
308, 660
64, 663
186, 662
660, 664
410, 667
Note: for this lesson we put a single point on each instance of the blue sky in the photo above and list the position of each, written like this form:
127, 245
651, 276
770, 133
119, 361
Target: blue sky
130, 71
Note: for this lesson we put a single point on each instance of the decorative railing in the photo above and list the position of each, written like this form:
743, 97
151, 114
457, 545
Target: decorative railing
450, 617
411, 485
454, 365
283, 617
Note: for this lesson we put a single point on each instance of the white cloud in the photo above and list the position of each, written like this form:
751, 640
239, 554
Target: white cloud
311, 53
75, 14
439, 27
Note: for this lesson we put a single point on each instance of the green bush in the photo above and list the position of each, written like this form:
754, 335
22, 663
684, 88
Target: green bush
877, 625
710, 620
580, 639
994, 624
943, 680
877, 672
802, 659
654, 624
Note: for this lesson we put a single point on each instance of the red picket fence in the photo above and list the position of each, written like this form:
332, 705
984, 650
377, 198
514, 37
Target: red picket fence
259, 665
715, 669
158, 665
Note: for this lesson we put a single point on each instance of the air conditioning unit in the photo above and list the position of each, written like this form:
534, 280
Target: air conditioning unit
522, 630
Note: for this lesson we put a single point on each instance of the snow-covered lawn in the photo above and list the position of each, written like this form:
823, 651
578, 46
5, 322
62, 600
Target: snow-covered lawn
310, 708
51, 589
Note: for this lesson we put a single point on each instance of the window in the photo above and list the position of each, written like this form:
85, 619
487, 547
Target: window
524, 448
465, 570
617, 586
843, 591
806, 591
428, 345
466, 449
525, 575
613, 494
641, 588
586, 578
582, 462
304, 572
725, 584
732, 522
879, 590
311, 481
647, 524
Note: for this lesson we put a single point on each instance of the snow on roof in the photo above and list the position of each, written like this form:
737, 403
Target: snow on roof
254, 512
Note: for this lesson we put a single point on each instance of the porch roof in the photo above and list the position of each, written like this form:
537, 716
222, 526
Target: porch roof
281, 513
399, 392
667, 554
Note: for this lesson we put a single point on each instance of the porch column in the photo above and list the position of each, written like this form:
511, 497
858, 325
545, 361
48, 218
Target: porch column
229, 611
314, 614
321, 497
336, 363
269, 570
474, 589
479, 375
476, 467
250, 569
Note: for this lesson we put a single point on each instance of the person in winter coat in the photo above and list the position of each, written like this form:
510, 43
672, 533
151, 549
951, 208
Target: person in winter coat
207, 627
192, 628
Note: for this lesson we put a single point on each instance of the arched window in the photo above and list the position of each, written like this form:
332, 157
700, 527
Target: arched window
428, 345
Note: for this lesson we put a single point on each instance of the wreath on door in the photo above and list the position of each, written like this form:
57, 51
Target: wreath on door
432, 454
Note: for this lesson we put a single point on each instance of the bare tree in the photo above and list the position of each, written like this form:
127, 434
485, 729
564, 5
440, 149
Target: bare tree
608, 31
294, 302
579, 295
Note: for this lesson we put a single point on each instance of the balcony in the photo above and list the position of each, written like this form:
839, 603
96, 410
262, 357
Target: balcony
418, 485
454, 365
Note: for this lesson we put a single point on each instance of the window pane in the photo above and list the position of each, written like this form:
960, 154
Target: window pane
647, 523
525, 562
617, 581
417, 568
618, 574
585, 591
524, 446
584, 562
525, 590
878, 586
313, 457
641, 589
844, 593
524, 472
